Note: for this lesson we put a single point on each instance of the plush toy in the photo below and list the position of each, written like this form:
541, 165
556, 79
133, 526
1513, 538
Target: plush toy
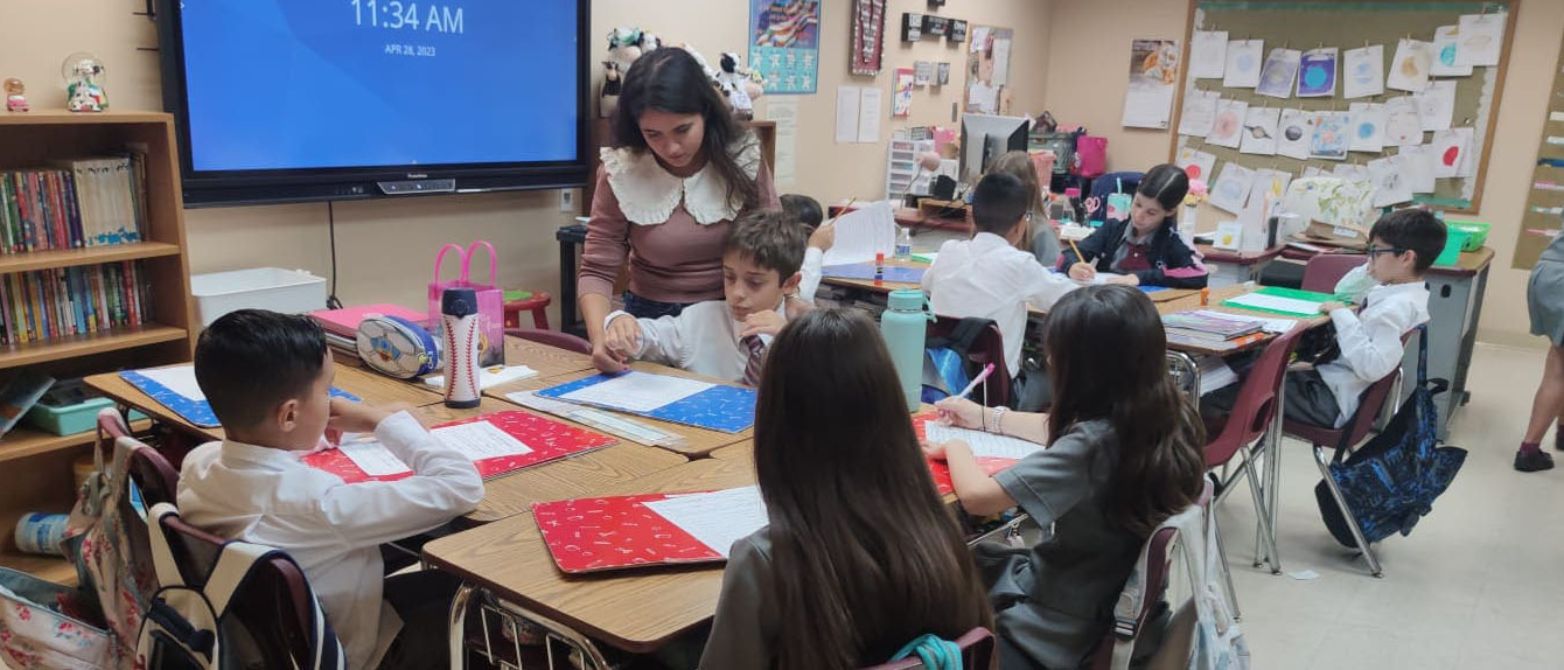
625, 45
740, 84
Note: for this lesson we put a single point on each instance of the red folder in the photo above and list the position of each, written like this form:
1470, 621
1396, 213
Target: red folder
941, 470
596, 534
550, 440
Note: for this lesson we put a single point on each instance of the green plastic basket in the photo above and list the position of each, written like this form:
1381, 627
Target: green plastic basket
1453, 243
1476, 233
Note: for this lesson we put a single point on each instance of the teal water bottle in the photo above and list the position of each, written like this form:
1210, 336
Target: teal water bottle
903, 325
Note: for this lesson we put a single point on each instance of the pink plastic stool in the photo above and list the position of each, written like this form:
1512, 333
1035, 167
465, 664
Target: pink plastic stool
536, 302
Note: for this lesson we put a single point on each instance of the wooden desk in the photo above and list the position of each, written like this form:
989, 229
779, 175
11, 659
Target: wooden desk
582, 475
1235, 267
698, 442
635, 610
1192, 303
743, 452
548, 361
373, 388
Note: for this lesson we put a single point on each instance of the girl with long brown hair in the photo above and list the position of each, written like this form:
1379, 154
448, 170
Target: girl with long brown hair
861, 556
1123, 454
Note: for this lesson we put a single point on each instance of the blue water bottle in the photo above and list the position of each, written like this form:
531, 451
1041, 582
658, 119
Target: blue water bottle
903, 325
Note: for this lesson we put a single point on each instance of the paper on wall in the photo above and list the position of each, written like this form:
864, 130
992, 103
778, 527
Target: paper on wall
1227, 130
1242, 69
1281, 69
1196, 163
1363, 72
1449, 149
1259, 136
1390, 183
848, 101
1418, 168
1231, 190
1208, 54
1368, 127
1409, 68
1447, 58
869, 111
783, 111
1436, 105
1199, 113
1481, 39
1293, 133
1403, 122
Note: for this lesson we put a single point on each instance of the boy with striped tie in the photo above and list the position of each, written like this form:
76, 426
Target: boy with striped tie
764, 259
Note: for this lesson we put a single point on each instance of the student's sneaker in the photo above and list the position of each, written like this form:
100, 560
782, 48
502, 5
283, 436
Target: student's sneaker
1533, 461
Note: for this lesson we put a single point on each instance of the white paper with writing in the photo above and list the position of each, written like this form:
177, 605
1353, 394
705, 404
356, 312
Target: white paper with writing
373, 457
984, 445
480, 440
638, 391
716, 519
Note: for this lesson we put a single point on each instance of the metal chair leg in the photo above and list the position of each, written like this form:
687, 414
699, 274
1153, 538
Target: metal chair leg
1352, 522
1260, 510
1227, 574
459, 626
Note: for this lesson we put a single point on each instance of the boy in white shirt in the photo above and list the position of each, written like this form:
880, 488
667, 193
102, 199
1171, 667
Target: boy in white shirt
988, 277
268, 378
1402, 246
727, 339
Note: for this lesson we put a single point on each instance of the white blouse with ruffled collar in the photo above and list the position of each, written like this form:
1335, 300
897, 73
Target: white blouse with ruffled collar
648, 193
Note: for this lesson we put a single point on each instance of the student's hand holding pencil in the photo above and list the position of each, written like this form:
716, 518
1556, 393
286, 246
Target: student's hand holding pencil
824, 236
960, 412
1083, 272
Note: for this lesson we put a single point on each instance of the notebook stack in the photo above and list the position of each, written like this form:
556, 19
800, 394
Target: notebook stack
1212, 330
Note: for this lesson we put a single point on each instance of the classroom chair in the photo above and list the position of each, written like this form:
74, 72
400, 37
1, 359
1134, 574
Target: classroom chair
154, 476
1251, 420
987, 347
1324, 270
977, 653
536, 302
271, 613
1106, 185
552, 338
1354, 432
1157, 561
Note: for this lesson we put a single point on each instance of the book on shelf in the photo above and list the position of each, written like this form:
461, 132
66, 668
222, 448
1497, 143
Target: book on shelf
62, 302
73, 204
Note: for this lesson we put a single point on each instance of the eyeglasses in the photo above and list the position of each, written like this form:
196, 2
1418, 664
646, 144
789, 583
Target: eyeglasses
1373, 251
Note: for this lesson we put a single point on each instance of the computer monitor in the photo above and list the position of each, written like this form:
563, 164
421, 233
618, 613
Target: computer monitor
985, 137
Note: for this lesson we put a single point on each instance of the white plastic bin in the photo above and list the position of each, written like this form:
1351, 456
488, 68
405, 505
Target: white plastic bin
276, 289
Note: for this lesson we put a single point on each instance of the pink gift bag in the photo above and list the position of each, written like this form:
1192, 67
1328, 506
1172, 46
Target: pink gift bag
1091, 155
491, 301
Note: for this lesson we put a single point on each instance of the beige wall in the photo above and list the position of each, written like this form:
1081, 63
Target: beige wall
1082, 91
384, 248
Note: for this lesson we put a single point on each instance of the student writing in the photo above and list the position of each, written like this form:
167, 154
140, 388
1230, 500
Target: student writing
1146, 247
268, 377
1123, 454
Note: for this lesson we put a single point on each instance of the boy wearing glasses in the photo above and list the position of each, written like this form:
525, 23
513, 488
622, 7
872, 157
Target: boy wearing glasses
1402, 246
987, 277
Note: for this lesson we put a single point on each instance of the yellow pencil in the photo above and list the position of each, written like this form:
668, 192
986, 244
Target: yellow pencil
845, 209
1078, 257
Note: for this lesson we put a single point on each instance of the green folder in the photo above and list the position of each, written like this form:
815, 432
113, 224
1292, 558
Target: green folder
1313, 299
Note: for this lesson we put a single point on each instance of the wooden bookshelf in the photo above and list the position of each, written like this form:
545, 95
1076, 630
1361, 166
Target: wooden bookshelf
66, 258
38, 465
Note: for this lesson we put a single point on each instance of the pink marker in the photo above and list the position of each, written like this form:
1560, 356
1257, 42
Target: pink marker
987, 370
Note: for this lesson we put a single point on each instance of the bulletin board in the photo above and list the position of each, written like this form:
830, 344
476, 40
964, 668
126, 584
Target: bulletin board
1347, 24
1545, 200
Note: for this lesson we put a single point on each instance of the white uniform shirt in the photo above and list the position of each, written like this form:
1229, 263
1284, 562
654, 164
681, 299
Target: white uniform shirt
1370, 340
703, 339
332, 529
986, 277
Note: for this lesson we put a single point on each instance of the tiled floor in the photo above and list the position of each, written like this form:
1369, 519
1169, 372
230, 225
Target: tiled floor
1478, 584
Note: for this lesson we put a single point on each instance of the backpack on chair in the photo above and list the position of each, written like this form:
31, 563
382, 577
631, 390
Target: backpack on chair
953, 359
184, 625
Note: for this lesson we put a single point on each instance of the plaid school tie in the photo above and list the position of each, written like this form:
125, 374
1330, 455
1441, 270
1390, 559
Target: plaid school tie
757, 358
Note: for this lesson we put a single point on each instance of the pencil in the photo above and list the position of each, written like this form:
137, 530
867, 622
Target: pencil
1078, 257
844, 210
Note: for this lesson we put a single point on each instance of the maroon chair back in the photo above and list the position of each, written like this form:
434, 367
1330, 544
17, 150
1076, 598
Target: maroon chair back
272, 609
552, 338
1256, 406
1158, 557
989, 347
154, 476
977, 653
1358, 426
1324, 270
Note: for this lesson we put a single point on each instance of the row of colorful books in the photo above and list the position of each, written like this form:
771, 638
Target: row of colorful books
75, 204
62, 302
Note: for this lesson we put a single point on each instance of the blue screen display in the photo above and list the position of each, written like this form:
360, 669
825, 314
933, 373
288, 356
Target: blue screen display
299, 84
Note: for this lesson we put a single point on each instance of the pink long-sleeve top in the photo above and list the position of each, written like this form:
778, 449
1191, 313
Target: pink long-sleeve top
669, 229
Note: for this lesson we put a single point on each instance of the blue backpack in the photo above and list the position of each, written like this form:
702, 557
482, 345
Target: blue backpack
1392, 481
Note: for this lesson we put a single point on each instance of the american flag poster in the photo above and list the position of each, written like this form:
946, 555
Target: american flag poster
785, 44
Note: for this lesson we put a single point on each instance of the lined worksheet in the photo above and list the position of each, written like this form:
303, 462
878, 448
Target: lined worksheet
480, 440
984, 445
638, 391
716, 519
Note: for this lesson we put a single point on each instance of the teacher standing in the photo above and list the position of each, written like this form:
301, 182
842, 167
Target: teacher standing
680, 170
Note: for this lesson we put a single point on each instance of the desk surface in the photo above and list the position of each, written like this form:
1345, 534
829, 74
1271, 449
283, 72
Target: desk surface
374, 388
697, 441
548, 361
634, 610
581, 475
1216, 255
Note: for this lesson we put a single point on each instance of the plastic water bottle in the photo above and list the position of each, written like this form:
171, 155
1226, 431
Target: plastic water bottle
903, 243
903, 324
459, 315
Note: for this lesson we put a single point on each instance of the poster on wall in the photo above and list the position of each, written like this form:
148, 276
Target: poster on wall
988, 70
868, 37
902, 86
1148, 101
785, 44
